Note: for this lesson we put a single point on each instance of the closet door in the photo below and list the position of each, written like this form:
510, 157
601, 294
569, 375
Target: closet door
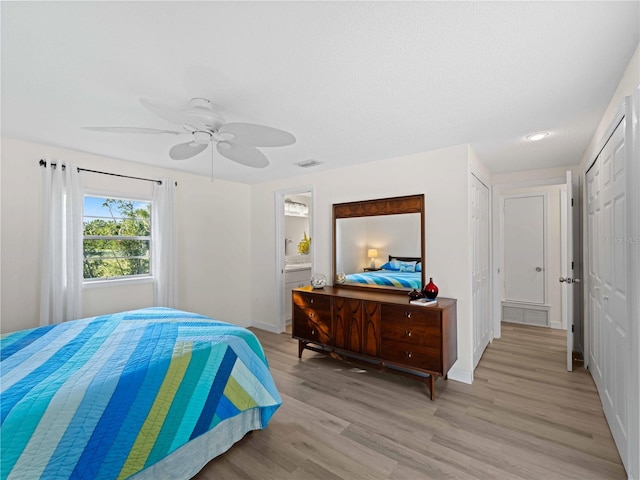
482, 333
610, 345
594, 285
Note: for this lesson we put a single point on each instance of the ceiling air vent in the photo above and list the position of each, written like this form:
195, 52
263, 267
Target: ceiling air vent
308, 163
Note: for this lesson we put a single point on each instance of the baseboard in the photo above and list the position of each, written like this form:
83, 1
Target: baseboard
244, 324
265, 326
460, 375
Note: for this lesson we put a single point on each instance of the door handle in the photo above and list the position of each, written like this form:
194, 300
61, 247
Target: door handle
538, 269
569, 280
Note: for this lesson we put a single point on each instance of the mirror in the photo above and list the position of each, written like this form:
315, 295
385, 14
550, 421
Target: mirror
379, 243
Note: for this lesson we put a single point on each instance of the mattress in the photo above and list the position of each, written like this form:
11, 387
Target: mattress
150, 393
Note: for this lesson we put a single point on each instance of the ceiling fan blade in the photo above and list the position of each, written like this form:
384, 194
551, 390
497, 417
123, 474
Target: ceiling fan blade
250, 134
183, 151
168, 113
146, 131
249, 156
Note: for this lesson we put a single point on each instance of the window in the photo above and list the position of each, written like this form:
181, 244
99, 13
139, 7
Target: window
116, 238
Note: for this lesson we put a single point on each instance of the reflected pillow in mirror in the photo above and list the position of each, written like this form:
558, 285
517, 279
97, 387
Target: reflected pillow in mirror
407, 267
393, 265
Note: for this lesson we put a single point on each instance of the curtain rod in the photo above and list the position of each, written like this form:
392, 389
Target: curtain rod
43, 163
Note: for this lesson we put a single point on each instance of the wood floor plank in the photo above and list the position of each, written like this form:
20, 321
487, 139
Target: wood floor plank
524, 417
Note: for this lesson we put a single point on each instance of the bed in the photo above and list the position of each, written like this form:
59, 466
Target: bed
405, 272
150, 393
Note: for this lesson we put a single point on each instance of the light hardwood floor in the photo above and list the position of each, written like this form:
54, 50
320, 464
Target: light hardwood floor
524, 416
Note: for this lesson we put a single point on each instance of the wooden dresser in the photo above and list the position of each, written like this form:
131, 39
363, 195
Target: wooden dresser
379, 327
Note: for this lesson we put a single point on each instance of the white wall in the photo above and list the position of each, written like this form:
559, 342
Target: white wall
629, 82
213, 238
442, 175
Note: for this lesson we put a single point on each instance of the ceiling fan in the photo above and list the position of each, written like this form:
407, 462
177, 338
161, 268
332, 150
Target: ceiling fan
235, 141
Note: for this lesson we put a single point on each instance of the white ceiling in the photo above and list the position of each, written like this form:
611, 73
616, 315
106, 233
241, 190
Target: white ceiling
353, 81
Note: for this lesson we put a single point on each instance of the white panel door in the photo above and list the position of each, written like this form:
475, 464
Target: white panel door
524, 231
480, 275
610, 345
594, 240
571, 284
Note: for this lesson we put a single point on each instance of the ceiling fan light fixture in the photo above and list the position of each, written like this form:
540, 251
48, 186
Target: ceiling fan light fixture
225, 145
226, 136
533, 137
201, 138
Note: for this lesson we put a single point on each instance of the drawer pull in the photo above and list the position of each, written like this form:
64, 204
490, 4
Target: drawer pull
407, 333
311, 300
313, 332
408, 354
407, 314
311, 315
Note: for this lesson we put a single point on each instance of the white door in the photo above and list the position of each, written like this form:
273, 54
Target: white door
480, 275
569, 268
610, 344
524, 231
594, 298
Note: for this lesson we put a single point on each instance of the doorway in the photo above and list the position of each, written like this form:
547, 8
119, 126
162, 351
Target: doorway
294, 251
547, 309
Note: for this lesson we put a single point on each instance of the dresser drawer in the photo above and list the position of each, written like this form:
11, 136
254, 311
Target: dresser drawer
311, 301
411, 326
312, 318
412, 332
418, 356
417, 315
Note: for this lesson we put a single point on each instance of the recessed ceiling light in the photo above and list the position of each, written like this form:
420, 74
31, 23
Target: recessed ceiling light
537, 136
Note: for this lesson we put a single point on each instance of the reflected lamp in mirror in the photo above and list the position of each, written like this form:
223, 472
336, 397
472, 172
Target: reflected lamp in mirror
372, 253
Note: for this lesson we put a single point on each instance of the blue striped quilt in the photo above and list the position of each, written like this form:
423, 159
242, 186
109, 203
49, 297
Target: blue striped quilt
109, 396
387, 278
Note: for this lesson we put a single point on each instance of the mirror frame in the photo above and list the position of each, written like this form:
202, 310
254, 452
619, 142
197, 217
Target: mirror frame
379, 207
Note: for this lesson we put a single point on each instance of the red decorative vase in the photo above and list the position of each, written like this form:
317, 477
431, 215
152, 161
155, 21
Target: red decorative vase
430, 290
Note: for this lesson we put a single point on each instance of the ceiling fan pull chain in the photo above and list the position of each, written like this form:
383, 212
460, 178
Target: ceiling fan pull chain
212, 179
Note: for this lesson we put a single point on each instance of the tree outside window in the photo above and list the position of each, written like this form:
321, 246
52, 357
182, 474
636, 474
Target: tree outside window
117, 237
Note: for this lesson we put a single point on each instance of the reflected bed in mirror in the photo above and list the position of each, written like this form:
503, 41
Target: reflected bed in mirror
380, 243
399, 272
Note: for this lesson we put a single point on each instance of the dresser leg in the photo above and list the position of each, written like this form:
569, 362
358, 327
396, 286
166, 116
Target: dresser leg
301, 347
432, 386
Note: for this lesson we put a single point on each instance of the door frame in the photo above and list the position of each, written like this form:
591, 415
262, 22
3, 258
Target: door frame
498, 241
279, 196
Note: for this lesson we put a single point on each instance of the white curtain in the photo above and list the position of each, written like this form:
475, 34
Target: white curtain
61, 285
163, 254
